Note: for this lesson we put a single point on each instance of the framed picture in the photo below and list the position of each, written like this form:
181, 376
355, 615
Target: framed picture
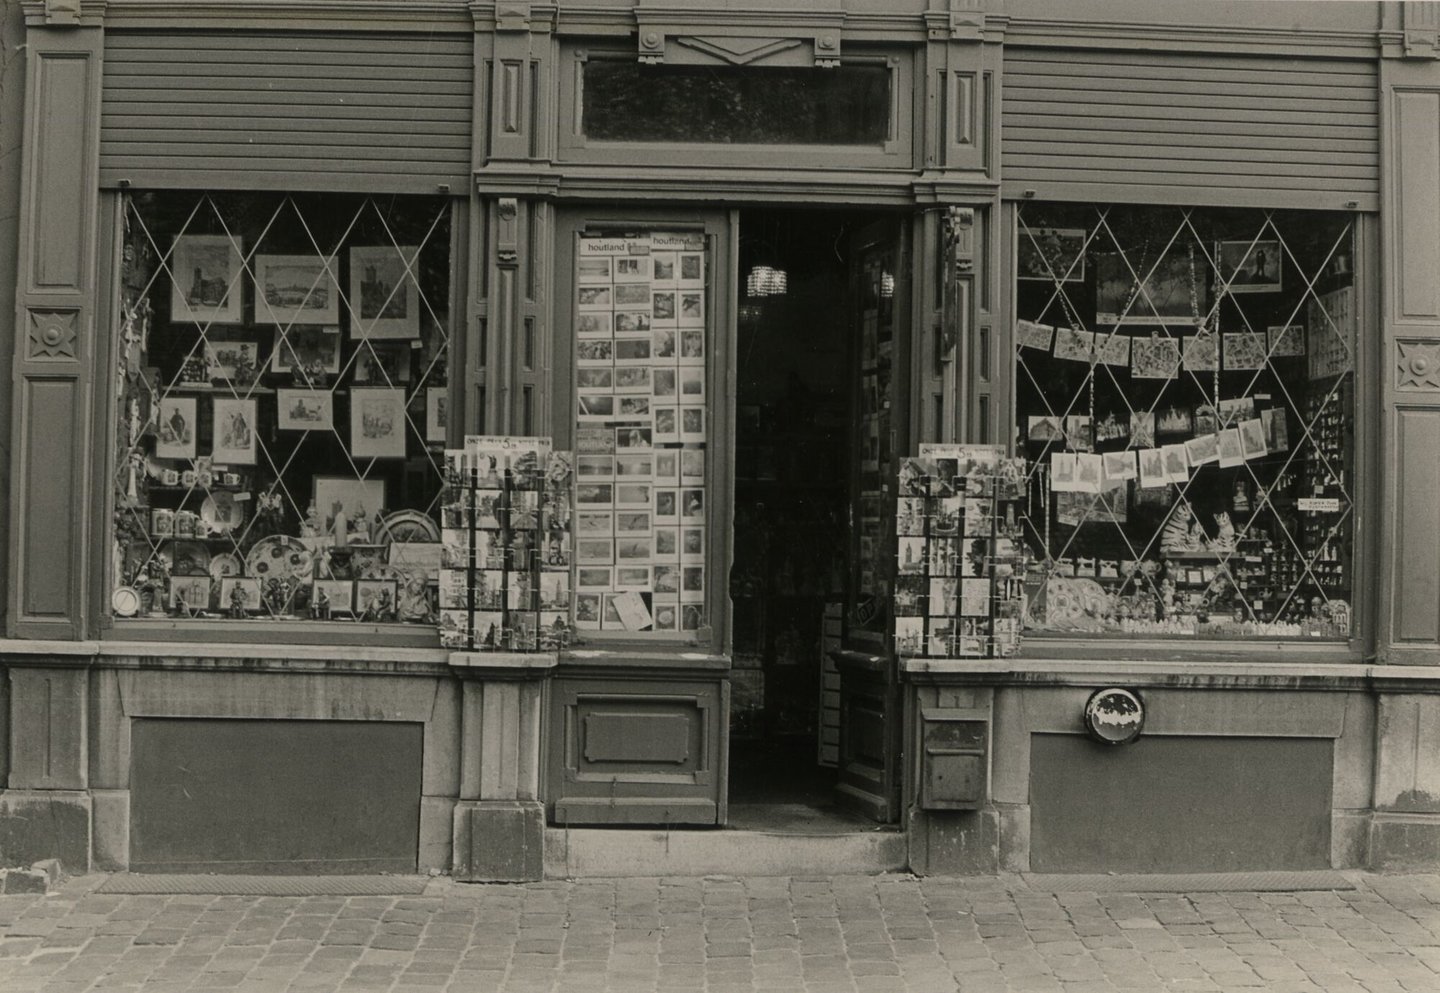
232, 361
1052, 255
190, 593
175, 430
1249, 266
382, 365
334, 595
377, 423
353, 497
1165, 299
296, 289
316, 351
205, 279
305, 410
240, 595
384, 297
437, 413
234, 432
375, 599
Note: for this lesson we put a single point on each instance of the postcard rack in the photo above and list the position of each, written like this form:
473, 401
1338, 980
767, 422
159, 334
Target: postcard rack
959, 589
506, 540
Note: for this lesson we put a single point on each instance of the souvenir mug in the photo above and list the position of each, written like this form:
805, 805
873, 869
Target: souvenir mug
170, 477
184, 524
187, 478
231, 479
162, 522
205, 478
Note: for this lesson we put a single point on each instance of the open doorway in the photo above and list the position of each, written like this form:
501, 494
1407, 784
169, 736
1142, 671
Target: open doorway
796, 461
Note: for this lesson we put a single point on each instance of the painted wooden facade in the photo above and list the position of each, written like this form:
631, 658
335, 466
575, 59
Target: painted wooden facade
1331, 106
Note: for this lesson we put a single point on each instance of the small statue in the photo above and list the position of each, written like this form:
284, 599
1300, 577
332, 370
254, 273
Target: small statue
1179, 533
377, 527
415, 603
1224, 540
239, 596
320, 605
383, 606
310, 527
1241, 501
339, 524
277, 595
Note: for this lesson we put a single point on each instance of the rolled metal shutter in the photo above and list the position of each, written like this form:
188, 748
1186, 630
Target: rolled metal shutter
293, 110
1186, 128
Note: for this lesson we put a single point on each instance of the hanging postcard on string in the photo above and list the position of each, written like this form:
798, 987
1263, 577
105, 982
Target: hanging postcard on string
1112, 349
1201, 352
1244, 350
1032, 334
1077, 346
1155, 357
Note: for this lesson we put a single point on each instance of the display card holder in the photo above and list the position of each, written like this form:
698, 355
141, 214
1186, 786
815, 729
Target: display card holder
505, 530
959, 586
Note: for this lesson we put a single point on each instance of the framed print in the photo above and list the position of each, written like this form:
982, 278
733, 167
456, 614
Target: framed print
437, 413
314, 351
377, 423
233, 440
1052, 255
305, 410
232, 361
382, 365
240, 595
1249, 266
205, 279
355, 498
296, 289
336, 595
190, 593
175, 432
384, 297
1166, 297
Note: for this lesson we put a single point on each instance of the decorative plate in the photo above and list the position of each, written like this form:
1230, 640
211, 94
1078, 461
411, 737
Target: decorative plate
408, 525
220, 514
126, 601
226, 564
279, 555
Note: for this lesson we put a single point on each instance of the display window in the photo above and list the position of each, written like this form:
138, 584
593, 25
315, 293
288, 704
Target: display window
642, 341
282, 399
1185, 397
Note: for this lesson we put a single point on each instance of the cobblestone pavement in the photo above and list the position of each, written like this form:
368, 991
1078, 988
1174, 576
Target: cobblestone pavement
847, 933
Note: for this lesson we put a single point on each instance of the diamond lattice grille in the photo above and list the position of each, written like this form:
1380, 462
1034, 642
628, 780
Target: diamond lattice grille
282, 384
1185, 395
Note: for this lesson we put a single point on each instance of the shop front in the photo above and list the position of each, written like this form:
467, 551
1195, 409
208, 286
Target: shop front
747, 268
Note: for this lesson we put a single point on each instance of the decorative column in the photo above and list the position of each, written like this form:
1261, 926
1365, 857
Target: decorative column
1405, 826
53, 454
500, 821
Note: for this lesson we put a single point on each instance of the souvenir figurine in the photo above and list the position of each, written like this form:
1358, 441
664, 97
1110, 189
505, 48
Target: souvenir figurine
277, 595
320, 605
1241, 502
1224, 540
339, 524
238, 598
377, 527
310, 527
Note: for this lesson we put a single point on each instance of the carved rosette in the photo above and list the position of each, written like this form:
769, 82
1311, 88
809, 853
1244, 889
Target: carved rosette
1418, 366
52, 335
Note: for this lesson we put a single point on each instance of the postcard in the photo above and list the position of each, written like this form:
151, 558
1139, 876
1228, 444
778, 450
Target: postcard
1232, 450
1249, 266
1156, 357
1244, 350
1203, 450
1152, 468
1032, 334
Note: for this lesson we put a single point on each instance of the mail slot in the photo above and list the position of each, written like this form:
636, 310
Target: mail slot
954, 761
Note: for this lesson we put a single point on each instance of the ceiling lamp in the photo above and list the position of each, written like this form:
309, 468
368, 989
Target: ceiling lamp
766, 281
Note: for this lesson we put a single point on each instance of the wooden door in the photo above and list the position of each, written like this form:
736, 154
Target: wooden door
869, 763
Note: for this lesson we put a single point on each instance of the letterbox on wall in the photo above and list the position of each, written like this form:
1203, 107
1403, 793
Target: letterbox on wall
954, 759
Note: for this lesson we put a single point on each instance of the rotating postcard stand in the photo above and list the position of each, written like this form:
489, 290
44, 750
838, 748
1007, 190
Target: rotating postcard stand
959, 588
505, 576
